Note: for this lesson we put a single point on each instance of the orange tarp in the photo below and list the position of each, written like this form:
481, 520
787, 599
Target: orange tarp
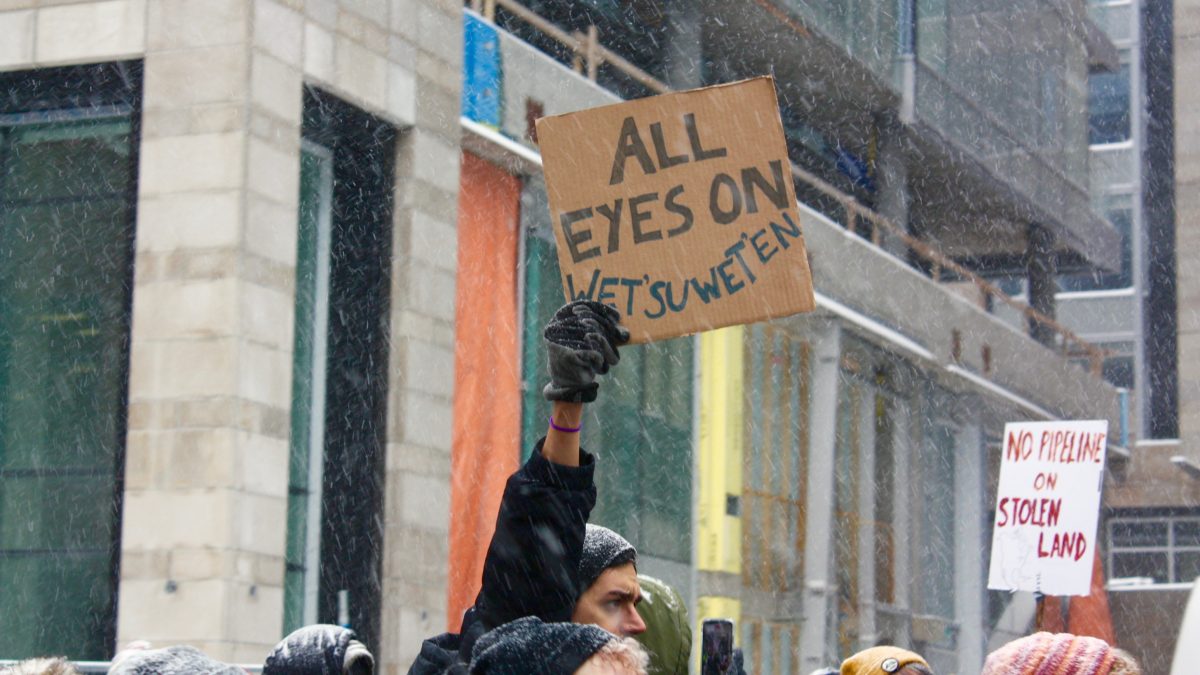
1089, 615
1051, 619
487, 386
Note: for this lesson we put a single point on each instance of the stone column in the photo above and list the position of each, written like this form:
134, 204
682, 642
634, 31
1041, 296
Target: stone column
1040, 270
1179, 305
892, 182
210, 362
421, 359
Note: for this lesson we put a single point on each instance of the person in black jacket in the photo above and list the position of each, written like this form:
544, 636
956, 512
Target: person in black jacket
532, 564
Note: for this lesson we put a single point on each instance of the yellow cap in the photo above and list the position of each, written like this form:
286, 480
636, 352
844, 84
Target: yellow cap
880, 661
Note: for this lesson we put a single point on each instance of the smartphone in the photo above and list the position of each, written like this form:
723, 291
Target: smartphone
716, 647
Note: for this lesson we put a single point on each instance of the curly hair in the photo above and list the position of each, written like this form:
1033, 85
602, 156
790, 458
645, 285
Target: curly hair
1125, 664
626, 654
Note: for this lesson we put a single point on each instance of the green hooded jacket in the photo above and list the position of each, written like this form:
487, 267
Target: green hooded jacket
668, 635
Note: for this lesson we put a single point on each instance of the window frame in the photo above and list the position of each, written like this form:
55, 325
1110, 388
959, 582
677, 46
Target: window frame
1170, 548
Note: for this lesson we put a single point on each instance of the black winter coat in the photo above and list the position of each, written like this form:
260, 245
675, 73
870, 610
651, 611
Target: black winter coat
532, 564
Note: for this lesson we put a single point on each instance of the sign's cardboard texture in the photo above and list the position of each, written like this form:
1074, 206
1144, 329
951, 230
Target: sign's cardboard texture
1047, 504
678, 210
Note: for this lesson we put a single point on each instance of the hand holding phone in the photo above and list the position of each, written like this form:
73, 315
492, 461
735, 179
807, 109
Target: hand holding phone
716, 647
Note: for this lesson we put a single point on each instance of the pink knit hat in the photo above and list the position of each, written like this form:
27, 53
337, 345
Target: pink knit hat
1047, 654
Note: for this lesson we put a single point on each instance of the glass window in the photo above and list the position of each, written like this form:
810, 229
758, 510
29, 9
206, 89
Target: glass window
1165, 549
1131, 533
1122, 220
1187, 566
1108, 106
775, 459
335, 532
885, 500
1187, 532
308, 387
640, 427
935, 573
1150, 565
66, 230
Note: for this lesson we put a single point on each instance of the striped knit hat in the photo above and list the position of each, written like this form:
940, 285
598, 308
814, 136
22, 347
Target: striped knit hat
1047, 654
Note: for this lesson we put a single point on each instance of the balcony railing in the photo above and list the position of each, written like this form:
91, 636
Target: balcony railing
104, 666
590, 54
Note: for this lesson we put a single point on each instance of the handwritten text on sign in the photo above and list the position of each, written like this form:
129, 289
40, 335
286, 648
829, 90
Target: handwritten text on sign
1047, 504
678, 210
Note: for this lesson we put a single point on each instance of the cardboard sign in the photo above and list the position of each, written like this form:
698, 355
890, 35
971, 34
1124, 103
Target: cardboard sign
1044, 535
678, 210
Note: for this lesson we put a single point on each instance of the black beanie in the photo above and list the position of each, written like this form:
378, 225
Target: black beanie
602, 549
529, 646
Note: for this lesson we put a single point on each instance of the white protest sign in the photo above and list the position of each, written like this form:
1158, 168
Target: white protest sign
1044, 535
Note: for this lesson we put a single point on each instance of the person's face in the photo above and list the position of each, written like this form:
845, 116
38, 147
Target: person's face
611, 602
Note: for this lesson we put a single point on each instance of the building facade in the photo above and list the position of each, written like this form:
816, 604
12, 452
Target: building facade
228, 320
275, 273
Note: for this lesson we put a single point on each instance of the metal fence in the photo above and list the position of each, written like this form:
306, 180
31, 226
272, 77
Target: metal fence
104, 666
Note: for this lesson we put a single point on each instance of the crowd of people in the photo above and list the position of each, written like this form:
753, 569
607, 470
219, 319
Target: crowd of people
561, 596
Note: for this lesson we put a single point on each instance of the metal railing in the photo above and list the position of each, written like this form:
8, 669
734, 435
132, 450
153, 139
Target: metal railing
104, 666
589, 54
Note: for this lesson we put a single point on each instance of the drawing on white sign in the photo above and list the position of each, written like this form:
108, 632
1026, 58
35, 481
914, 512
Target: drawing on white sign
1047, 504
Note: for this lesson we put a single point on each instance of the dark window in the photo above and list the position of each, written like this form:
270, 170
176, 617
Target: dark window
1095, 280
1152, 565
68, 166
346, 180
1108, 106
1132, 533
1118, 371
1165, 549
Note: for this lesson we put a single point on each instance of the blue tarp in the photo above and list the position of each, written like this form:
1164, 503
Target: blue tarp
481, 94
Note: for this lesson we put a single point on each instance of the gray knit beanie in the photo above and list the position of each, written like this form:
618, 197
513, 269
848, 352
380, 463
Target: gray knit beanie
180, 660
528, 646
602, 549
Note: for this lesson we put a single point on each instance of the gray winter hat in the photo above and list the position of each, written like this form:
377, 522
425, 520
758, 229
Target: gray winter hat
180, 660
602, 549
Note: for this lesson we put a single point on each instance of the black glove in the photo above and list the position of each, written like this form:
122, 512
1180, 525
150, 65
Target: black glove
581, 343
738, 667
320, 649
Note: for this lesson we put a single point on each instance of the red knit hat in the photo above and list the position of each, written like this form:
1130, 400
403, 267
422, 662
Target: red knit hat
1047, 654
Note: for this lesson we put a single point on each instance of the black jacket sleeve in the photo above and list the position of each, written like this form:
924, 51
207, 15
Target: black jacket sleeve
532, 564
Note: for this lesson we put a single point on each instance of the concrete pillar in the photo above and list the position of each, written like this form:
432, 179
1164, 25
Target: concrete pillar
819, 575
891, 179
969, 532
202, 541
421, 359
1041, 270
204, 519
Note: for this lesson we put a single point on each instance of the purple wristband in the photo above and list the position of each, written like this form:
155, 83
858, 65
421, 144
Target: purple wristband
568, 430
